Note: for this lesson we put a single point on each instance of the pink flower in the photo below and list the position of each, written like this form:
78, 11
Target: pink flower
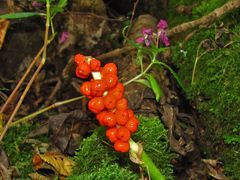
64, 36
147, 36
37, 4
162, 24
162, 34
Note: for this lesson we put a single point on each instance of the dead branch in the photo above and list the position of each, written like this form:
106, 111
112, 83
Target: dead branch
205, 20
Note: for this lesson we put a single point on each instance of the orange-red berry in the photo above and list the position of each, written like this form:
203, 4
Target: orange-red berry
122, 104
100, 117
117, 91
96, 104
121, 146
109, 119
97, 88
132, 124
95, 65
109, 68
109, 101
110, 80
121, 117
111, 133
130, 113
79, 59
83, 70
123, 134
85, 88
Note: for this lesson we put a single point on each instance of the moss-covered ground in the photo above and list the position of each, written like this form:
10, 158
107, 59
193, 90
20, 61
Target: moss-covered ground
215, 90
96, 159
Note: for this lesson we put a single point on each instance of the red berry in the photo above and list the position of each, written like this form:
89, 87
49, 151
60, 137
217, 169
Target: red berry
132, 124
110, 80
83, 70
109, 119
117, 91
122, 104
109, 68
97, 88
79, 59
85, 88
111, 134
95, 65
96, 104
123, 134
121, 117
109, 101
130, 113
100, 117
121, 146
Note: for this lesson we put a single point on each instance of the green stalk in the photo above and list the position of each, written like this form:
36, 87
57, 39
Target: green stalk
154, 172
146, 161
140, 75
33, 115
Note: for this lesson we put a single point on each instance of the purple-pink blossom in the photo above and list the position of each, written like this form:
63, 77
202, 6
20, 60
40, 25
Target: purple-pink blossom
163, 37
147, 36
162, 34
162, 24
63, 37
37, 4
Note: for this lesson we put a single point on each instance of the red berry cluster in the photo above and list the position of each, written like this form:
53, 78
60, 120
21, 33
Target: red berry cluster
107, 100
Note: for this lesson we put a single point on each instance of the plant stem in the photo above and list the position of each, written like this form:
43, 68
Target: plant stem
153, 170
140, 75
145, 161
57, 104
173, 73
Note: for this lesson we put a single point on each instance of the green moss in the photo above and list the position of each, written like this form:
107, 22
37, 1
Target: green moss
19, 153
215, 91
230, 157
112, 171
153, 137
97, 159
207, 6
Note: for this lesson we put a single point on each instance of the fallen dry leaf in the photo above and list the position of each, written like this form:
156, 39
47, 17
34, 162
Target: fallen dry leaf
3, 30
61, 165
214, 169
68, 129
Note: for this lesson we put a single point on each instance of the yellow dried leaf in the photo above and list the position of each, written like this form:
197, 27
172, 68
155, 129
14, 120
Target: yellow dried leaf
61, 164
3, 29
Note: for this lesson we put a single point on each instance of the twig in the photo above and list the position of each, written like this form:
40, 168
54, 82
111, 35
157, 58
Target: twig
94, 15
229, 6
132, 16
57, 104
54, 91
34, 75
20, 102
115, 52
21, 81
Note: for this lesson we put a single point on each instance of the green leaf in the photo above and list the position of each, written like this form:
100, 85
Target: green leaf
155, 86
58, 8
172, 72
144, 82
20, 15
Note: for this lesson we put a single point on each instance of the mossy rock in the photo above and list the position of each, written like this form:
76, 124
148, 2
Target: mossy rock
97, 159
215, 90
